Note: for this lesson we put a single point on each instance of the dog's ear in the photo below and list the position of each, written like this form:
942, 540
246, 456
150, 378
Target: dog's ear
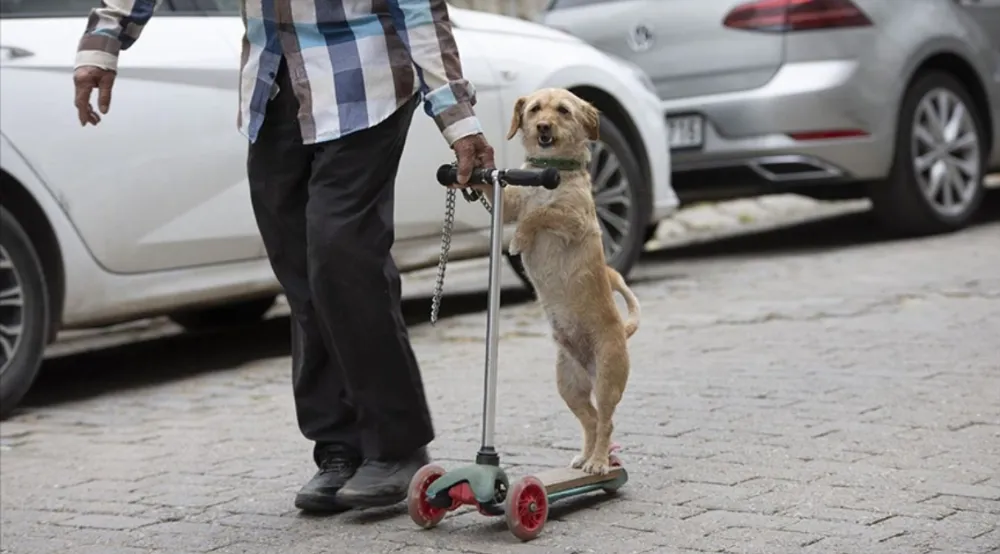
591, 119
515, 120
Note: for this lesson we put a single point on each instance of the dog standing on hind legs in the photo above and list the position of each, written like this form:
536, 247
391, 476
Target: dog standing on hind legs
559, 239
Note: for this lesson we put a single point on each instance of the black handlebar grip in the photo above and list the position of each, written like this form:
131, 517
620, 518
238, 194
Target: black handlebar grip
548, 178
447, 175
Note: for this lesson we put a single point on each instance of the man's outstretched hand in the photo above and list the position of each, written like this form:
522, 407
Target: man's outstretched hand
86, 79
472, 151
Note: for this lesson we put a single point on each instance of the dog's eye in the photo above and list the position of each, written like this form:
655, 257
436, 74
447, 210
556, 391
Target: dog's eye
535, 108
563, 110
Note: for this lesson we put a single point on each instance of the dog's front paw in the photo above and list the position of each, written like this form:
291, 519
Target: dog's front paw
597, 466
577, 461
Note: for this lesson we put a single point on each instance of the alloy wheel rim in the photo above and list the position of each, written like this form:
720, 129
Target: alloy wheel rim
946, 152
11, 310
612, 197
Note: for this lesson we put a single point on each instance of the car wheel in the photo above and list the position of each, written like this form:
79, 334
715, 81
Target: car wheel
24, 313
622, 197
936, 182
237, 313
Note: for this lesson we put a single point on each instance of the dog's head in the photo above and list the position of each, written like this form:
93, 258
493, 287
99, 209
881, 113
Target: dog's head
554, 122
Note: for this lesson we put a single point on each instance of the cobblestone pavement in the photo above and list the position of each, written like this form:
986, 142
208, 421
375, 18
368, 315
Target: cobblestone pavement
818, 390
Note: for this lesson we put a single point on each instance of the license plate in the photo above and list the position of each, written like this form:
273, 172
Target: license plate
686, 131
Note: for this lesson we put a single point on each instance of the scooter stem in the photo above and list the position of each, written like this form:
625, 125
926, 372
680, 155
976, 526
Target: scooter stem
487, 452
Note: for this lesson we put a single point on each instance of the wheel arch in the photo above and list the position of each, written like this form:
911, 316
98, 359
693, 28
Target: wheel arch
29, 214
956, 65
613, 109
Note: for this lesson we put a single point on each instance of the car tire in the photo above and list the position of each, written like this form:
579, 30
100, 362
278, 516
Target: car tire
629, 202
226, 315
908, 202
24, 313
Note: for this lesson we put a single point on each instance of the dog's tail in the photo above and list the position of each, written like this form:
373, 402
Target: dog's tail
618, 284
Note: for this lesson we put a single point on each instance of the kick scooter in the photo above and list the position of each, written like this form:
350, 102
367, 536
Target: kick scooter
434, 491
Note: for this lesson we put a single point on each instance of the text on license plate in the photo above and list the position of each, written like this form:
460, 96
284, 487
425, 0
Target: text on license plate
686, 131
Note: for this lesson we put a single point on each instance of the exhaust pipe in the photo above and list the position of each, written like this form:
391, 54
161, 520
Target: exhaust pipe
778, 169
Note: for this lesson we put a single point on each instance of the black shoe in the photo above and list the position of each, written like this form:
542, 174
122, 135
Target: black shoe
379, 483
336, 467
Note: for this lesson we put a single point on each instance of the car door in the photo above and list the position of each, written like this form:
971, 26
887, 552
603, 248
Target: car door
161, 182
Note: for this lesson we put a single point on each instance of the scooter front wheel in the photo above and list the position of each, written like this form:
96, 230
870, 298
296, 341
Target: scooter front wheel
421, 511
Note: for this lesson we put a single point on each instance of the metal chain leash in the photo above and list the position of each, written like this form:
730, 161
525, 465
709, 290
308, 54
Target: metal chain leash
446, 231
484, 202
449, 222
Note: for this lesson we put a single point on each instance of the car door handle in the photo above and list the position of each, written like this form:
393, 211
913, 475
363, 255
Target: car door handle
13, 52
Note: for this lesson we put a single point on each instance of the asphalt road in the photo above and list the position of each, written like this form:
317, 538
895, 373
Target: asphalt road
818, 389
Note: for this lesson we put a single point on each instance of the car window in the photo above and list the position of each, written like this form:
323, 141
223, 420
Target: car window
566, 4
54, 8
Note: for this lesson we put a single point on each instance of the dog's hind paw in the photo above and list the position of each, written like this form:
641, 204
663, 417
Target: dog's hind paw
597, 466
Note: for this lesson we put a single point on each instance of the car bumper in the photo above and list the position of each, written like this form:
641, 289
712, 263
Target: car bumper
752, 130
653, 130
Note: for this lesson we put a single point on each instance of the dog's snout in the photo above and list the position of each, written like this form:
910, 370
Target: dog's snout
544, 127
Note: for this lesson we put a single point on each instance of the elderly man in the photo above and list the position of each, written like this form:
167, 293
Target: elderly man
328, 90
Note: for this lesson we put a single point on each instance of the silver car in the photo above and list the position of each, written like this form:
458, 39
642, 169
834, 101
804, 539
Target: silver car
896, 100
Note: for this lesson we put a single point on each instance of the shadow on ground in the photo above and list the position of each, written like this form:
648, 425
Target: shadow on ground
161, 360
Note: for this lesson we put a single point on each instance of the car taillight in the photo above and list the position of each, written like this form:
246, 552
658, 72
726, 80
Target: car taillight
779, 16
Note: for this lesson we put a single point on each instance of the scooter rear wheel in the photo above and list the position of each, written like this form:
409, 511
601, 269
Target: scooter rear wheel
527, 508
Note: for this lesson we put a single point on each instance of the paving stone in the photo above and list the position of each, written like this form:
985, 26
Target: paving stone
739, 540
912, 541
823, 514
16, 515
107, 550
856, 545
956, 489
966, 503
100, 521
826, 528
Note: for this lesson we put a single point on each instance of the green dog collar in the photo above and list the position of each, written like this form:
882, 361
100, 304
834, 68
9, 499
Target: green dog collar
562, 164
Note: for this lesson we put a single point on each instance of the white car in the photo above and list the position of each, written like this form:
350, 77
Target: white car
149, 213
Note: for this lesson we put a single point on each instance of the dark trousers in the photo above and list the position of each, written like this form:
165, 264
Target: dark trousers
325, 213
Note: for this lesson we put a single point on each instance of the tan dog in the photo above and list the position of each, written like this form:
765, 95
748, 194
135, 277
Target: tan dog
559, 239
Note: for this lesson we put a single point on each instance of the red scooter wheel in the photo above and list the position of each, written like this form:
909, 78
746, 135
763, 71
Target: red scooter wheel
527, 508
421, 512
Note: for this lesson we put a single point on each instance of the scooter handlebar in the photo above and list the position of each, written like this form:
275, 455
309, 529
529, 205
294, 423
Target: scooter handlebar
549, 177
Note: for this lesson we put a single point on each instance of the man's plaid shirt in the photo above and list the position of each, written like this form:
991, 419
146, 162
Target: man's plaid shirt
352, 62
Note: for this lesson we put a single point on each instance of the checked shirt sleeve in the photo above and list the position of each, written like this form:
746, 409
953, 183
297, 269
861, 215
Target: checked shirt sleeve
448, 96
112, 27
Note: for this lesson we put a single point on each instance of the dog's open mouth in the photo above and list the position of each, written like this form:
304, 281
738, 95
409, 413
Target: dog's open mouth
546, 140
